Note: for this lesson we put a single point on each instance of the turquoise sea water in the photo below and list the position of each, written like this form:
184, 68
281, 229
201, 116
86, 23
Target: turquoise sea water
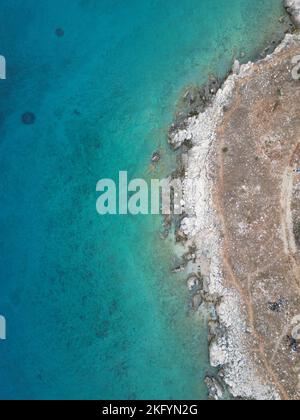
91, 307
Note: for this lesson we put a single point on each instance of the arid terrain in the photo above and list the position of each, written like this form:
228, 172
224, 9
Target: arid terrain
243, 218
258, 151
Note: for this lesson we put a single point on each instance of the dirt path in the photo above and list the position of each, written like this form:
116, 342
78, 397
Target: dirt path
287, 230
287, 226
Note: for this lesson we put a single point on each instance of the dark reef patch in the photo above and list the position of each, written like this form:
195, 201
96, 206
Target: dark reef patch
28, 118
59, 32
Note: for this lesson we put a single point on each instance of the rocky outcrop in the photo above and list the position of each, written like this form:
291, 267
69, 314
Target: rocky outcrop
237, 191
293, 8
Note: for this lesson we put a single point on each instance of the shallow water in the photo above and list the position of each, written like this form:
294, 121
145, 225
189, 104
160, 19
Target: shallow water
92, 309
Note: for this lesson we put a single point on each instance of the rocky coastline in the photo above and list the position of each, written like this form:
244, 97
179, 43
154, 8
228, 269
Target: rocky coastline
243, 371
293, 8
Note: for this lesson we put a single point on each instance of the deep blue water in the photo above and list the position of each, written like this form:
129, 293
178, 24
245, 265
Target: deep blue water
91, 307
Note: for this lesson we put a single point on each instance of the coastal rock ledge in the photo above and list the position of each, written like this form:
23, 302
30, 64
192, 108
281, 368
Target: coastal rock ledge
243, 218
293, 7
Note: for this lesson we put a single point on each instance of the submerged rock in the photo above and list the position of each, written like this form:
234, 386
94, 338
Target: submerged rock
155, 157
178, 269
197, 301
236, 67
215, 389
28, 118
192, 283
59, 32
180, 236
196, 99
